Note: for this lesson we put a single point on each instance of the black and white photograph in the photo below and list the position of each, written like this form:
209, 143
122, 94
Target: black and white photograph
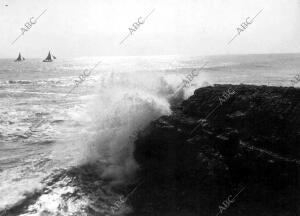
149, 108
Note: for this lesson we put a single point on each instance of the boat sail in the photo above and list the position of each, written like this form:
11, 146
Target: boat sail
20, 58
49, 58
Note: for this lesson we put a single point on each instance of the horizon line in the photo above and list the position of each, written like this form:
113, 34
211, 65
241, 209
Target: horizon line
181, 55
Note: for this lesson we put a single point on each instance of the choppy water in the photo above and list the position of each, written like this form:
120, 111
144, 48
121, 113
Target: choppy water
78, 160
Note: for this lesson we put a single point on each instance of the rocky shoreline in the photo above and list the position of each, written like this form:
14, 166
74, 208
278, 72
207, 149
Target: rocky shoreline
248, 142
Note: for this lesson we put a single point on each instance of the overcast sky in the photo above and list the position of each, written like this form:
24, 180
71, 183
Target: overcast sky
77, 28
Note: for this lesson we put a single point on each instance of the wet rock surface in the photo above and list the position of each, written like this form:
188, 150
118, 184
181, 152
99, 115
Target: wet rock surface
250, 141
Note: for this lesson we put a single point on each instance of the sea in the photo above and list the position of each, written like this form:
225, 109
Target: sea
67, 127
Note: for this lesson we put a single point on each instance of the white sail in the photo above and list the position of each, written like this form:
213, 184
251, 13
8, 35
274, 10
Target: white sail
20, 58
49, 58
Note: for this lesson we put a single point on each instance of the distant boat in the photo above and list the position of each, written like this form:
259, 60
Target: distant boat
49, 58
20, 58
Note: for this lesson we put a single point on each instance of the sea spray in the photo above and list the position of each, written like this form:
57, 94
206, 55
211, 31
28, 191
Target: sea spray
124, 105
121, 112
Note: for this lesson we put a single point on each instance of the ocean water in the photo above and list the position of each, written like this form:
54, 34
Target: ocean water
77, 157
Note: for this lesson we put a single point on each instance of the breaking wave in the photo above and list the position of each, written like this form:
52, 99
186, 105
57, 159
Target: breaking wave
91, 162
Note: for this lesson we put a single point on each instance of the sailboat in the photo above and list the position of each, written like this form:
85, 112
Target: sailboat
20, 58
49, 58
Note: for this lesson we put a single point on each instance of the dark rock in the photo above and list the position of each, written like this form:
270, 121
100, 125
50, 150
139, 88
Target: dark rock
251, 139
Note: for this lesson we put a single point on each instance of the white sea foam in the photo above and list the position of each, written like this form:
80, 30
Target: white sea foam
124, 105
